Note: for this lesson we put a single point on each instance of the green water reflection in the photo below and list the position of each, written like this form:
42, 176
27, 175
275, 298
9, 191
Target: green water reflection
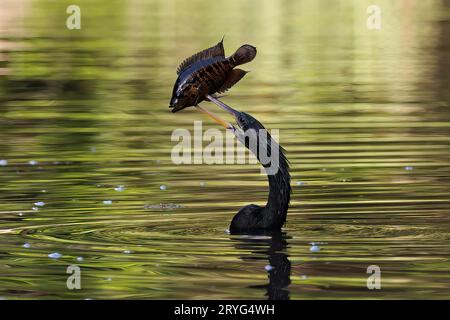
364, 115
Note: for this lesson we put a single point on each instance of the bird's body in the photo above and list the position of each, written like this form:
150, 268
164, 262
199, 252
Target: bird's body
208, 72
272, 216
252, 134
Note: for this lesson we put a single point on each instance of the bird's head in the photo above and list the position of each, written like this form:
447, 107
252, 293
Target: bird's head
251, 133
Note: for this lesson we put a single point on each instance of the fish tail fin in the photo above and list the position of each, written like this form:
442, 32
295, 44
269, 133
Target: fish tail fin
244, 54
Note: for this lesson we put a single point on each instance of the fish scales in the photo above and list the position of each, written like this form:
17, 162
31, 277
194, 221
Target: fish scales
208, 72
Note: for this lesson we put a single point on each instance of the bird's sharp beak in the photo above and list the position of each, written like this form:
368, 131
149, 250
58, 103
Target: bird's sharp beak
216, 118
225, 107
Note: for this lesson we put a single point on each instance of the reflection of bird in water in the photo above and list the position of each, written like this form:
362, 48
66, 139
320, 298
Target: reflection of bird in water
252, 217
279, 270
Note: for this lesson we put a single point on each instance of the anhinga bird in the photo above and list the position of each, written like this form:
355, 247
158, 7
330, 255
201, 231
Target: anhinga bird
272, 216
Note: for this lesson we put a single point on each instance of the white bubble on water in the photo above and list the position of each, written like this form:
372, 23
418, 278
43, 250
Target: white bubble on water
268, 267
162, 187
26, 245
32, 162
39, 203
119, 188
55, 255
314, 248
107, 202
3, 162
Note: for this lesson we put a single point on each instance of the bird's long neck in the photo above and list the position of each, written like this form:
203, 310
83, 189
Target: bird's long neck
275, 211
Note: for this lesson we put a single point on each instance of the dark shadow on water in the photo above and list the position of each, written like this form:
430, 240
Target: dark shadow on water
272, 248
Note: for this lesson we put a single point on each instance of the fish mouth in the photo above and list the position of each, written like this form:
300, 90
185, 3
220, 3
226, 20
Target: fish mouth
176, 108
175, 105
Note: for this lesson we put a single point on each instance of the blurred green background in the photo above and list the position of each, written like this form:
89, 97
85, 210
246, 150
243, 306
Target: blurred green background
364, 116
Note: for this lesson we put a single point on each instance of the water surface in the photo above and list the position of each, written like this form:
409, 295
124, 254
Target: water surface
363, 114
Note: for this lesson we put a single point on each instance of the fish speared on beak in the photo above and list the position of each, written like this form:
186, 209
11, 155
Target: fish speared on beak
216, 118
224, 106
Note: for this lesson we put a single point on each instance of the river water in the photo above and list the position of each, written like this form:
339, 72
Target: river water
86, 174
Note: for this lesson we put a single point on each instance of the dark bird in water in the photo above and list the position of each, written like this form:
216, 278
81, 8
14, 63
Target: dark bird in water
208, 72
253, 218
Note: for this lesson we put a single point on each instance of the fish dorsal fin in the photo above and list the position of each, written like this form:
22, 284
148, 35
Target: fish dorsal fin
215, 51
234, 76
